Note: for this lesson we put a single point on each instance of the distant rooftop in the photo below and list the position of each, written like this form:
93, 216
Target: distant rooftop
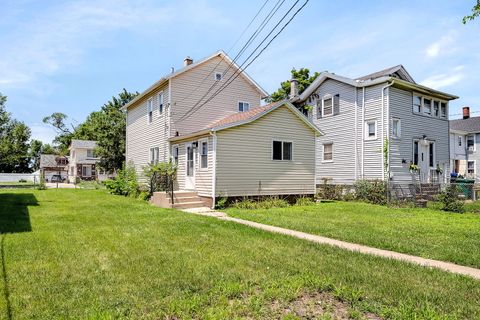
85, 144
398, 71
470, 125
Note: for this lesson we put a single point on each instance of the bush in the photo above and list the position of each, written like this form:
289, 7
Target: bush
22, 181
221, 203
267, 203
161, 176
304, 201
125, 183
449, 200
374, 191
144, 195
41, 184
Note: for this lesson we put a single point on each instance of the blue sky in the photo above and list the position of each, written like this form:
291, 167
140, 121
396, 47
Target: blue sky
72, 56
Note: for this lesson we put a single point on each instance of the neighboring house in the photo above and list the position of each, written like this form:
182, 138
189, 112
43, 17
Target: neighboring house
226, 146
51, 164
83, 162
360, 116
464, 137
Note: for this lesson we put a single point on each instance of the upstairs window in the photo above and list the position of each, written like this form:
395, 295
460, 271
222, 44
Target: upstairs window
329, 106
218, 76
90, 153
417, 104
282, 150
427, 107
150, 110
160, 103
396, 128
243, 106
154, 155
204, 154
436, 109
443, 110
471, 142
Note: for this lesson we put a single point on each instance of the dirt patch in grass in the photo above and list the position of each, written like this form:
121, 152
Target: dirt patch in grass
318, 305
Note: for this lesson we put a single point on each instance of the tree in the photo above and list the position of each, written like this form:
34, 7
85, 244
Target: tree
14, 137
38, 148
304, 80
64, 132
475, 13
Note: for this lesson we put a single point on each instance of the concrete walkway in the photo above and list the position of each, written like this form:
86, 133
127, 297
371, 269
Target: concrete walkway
446, 266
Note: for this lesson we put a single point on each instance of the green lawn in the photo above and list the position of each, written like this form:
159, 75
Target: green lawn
85, 254
428, 233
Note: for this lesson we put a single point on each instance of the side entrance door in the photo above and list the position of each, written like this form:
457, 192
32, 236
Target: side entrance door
190, 167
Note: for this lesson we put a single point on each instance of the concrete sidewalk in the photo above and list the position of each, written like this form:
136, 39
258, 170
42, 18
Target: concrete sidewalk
446, 266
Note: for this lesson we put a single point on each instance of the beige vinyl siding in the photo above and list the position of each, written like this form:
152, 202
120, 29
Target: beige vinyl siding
244, 157
414, 126
203, 177
141, 135
185, 95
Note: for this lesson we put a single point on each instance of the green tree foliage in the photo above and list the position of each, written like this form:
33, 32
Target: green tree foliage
14, 137
304, 80
161, 176
37, 148
475, 13
65, 132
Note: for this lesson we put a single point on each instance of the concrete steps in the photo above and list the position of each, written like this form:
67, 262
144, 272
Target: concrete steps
181, 200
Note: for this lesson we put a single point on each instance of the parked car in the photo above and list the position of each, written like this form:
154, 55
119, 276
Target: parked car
57, 178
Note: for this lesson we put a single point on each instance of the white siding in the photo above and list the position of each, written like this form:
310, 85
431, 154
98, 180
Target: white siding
244, 157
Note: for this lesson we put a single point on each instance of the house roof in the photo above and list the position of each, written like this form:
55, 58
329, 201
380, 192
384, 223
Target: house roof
241, 118
50, 161
83, 144
396, 71
470, 125
168, 76
359, 83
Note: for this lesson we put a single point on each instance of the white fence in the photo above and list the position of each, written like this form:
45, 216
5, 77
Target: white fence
16, 177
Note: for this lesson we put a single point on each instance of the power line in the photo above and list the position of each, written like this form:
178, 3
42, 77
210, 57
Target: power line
272, 12
235, 43
241, 69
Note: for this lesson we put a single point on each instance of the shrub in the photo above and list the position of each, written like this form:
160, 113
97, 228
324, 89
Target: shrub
374, 191
267, 203
41, 184
330, 191
125, 183
221, 202
161, 176
304, 201
449, 200
144, 195
22, 181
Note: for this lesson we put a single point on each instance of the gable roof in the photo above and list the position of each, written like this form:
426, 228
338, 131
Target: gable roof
50, 161
242, 118
169, 76
85, 144
370, 82
470, 125
398, 71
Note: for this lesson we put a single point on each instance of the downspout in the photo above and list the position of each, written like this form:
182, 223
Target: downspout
363, 134
214, 169
383, 129
168, 112
356, 134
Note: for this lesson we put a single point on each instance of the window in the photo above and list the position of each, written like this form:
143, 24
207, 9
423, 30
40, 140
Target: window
471, 142
154, 155
415, 152
160, 103
282, 150
431, 154
471, 167
417, 104
371, 130
150, 110
443, 110
175, 154
243, 106
328, 152
427, 107
327, 106
436, 109
459, 141
396, 128
204, 154
90, 153
218, 76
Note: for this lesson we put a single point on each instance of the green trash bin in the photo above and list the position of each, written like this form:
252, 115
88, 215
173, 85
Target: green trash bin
465, 187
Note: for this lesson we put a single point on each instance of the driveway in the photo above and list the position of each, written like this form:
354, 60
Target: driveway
52, 185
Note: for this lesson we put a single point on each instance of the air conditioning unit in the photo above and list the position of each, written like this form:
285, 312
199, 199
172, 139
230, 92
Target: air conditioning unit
471, 148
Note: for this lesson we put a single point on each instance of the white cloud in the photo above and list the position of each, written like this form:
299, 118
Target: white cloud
43, 132
445, 79
444, 45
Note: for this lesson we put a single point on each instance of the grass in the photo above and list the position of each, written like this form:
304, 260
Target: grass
428, 233
85, 254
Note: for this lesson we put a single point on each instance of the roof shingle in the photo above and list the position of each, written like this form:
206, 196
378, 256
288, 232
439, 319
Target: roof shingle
470, 125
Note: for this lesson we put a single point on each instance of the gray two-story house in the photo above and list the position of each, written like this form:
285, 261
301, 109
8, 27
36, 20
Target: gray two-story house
379, 126
464, 154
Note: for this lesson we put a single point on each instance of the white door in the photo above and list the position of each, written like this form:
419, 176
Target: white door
424, 160
190, 167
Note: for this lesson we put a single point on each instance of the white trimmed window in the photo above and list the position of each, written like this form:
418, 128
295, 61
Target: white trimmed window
282, 150
427, 106
150, 110
243, 106
443, 110
471, 167
175, 154
371, 130
328, 152
154, 152
203, 154
396, 128
471, 142
218, 76
417, 104
160, 103
327, 106
90, 153
436, 108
